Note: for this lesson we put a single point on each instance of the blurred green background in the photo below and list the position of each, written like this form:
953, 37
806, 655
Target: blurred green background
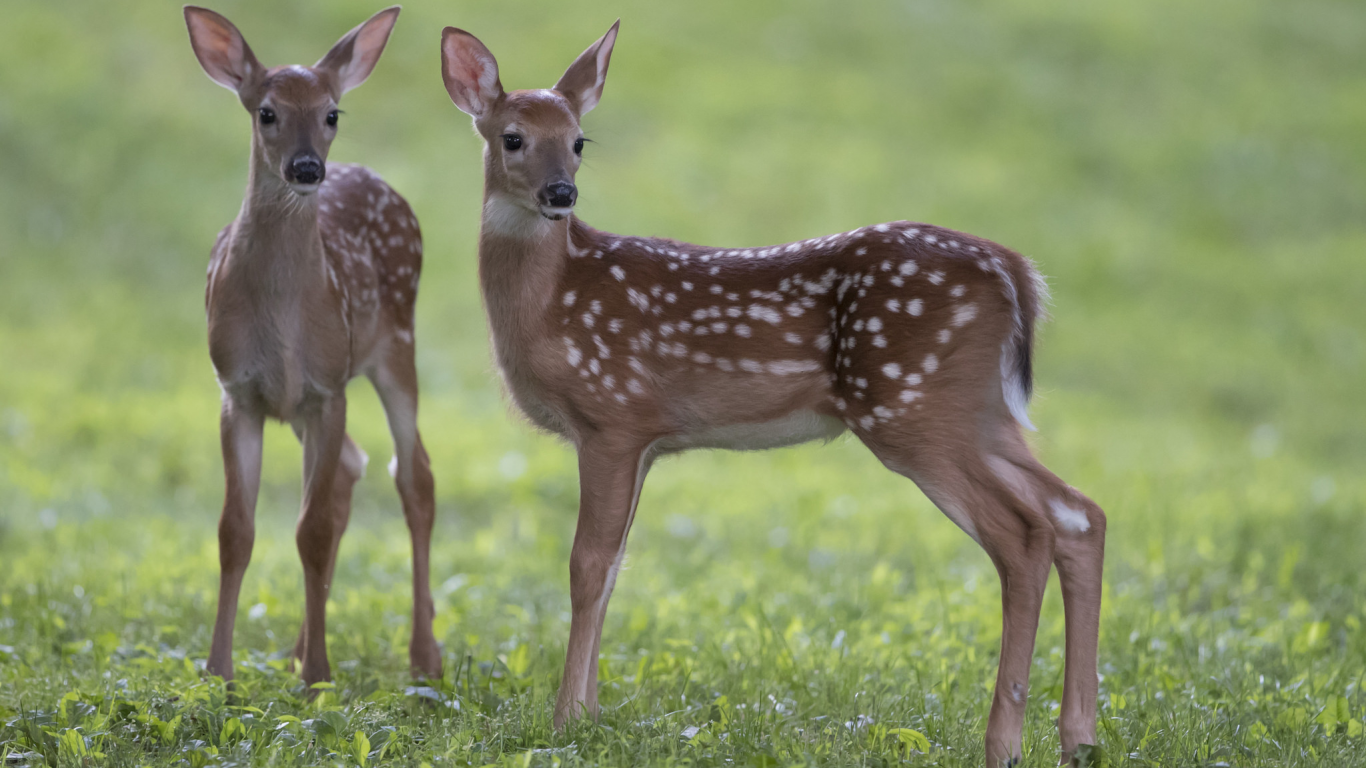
1190, 176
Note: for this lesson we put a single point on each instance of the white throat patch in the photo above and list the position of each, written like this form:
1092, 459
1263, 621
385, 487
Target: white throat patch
502, 216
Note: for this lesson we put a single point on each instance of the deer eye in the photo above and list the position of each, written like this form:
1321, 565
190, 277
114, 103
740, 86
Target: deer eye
512, 142
332, 118
267, 115
578, 146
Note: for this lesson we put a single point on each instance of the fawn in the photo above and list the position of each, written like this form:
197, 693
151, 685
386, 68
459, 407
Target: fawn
311, 285
917, 339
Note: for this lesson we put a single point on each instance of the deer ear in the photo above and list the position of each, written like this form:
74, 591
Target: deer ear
582, 82
470, 72
220, 48
354, 56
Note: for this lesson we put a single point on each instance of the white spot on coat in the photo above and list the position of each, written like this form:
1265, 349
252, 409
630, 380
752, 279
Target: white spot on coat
767, 314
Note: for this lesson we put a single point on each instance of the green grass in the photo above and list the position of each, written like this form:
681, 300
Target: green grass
1192, 177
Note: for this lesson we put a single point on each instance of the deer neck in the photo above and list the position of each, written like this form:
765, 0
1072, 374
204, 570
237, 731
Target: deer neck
522, 256
276, 241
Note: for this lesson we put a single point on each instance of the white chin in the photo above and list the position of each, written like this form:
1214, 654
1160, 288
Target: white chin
304, 190
555, 214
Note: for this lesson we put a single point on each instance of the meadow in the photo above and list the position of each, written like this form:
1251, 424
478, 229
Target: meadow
1190, 176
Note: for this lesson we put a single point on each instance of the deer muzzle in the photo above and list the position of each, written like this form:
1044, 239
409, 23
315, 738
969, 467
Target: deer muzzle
305, 172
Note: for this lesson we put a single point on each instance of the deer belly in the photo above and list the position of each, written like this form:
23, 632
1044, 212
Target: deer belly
261, 392
276, 364
797, 427
531, 398
278, 384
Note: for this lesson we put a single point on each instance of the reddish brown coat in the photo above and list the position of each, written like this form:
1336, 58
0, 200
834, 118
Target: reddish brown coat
311, 285
916, 338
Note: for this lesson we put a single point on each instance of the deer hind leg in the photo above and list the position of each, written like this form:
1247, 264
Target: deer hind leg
241, 436
955, 474
350, 469
610, 478
321, 523
1079, 554
396, 383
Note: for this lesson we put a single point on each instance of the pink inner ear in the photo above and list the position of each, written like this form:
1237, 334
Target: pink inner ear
471, 70
371, 40
471, 73
222, 49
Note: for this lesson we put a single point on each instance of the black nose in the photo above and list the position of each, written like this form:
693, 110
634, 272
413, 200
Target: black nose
561, 194
307, 169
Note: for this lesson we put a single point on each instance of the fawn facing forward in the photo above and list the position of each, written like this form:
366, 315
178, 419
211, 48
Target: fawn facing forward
915, 338
311, 285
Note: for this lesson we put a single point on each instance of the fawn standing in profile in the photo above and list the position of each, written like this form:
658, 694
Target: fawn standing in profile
916, 338
311, 285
